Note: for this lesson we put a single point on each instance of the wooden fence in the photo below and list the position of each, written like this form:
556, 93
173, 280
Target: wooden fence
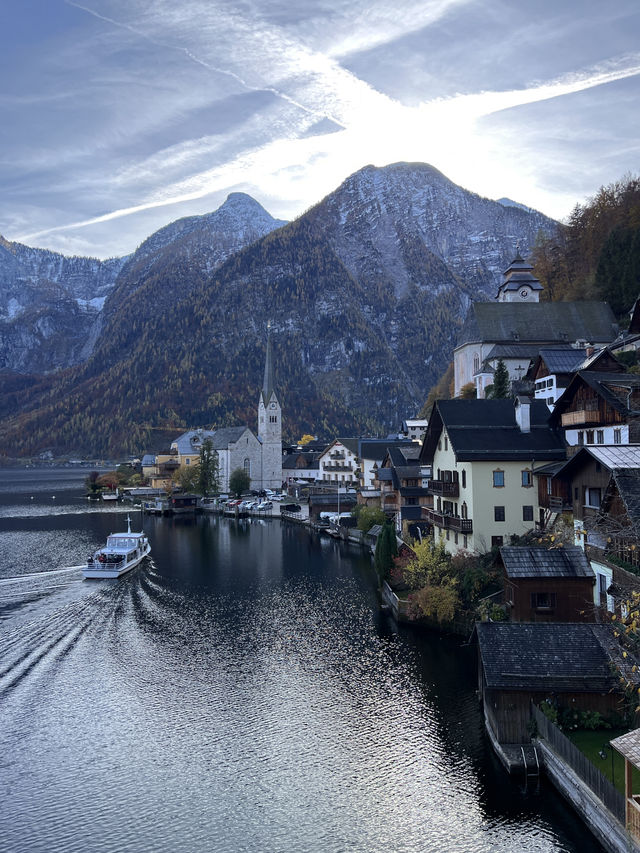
580, 764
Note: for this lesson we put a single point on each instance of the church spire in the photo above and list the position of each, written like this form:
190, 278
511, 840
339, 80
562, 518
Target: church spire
268, 383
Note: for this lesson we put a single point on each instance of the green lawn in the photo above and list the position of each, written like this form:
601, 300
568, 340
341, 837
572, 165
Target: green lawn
591, 743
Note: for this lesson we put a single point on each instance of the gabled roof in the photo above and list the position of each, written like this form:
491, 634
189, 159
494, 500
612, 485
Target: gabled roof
568, 562
562, 359
192, 440
609, 455
545, 656
486, 430
540, 322
376, 448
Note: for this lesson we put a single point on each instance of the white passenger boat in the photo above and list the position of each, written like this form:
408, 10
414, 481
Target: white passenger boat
122, 553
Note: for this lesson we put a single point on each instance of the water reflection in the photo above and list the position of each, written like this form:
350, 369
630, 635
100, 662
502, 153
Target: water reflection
240, 692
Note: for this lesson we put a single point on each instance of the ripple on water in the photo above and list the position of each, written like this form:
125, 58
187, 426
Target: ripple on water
170, 711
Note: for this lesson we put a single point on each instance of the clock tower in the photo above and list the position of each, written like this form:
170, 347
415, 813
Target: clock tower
270, 426
519, 284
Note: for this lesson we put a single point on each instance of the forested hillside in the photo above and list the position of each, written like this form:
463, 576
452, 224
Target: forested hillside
596, 255
365, 293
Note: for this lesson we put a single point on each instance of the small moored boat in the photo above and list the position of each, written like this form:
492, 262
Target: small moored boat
122, 553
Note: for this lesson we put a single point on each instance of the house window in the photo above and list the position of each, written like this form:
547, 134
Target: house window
446, 443
589, 436
497, 541
617, 436
464, 541
455, 537
447, 534
580, 436
527, 478
592, 497
600, 436
464, 479
575, 493
498, 513
463, 509
187, 461
273, 419
247, 466
498, 479
476, 362
527, 513
543, 600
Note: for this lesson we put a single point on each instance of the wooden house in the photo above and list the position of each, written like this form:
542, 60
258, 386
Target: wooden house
547, 585
571, 665
599, 408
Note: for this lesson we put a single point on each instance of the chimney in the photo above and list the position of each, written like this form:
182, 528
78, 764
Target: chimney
523, 413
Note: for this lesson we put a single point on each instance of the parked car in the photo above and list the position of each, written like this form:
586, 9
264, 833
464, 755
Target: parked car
264, 505
290, 508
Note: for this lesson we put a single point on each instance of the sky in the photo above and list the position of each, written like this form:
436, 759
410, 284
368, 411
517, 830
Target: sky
119, 116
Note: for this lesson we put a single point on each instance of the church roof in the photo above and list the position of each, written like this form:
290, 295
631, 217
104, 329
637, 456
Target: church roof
540, 322
192, 440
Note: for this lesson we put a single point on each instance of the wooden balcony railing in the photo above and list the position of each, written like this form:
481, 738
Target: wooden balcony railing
449, 522
443, 488
580, 418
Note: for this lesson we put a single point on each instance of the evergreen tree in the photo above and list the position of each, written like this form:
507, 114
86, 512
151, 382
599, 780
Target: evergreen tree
209, 470
386, 550
501, 387
239, 482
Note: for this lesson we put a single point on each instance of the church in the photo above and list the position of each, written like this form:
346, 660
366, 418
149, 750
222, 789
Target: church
516, 326
238, 447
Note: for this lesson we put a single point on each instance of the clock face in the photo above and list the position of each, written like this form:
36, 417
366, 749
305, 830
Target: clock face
273, 405
524, 293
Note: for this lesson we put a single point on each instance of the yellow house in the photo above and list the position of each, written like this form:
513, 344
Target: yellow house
482, 454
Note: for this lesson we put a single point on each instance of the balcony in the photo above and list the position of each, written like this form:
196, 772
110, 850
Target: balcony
582, 417
443, 488
335, 466
448, 522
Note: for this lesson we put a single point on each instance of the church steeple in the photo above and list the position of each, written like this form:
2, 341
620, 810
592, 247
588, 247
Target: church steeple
270, 425
268, 383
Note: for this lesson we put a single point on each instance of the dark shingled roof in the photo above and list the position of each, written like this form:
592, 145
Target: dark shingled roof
487, 430
627, 483
548, 656
542, 322
376, 448
562, 359
569, 562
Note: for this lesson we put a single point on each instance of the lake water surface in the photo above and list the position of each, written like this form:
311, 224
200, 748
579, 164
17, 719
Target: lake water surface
236, 692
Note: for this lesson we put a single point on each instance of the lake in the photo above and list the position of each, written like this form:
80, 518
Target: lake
238, 691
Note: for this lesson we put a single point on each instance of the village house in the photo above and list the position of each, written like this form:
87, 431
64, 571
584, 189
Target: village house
599, 408
158, 469
402, 484
547, 585
515, 326
482, 454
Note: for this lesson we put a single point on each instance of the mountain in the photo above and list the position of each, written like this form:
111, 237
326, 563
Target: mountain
48, 305
52, 307
365, 293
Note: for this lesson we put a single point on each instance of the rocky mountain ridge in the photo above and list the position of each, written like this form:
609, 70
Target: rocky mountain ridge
365, 293
52, 306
